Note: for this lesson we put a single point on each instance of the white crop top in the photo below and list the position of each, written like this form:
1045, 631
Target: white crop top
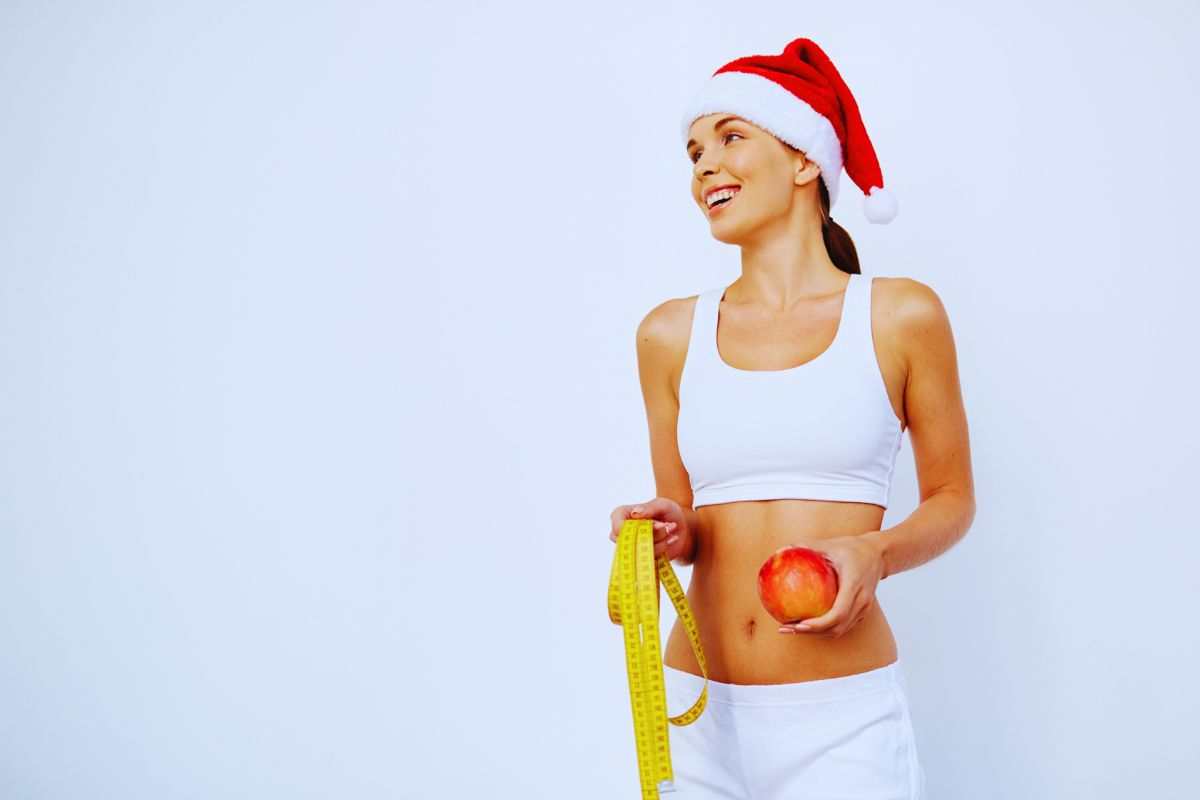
824, 430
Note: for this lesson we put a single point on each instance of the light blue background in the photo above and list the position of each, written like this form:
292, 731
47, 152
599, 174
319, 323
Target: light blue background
317, 343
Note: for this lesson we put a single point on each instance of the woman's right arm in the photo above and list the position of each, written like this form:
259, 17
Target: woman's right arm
662, 342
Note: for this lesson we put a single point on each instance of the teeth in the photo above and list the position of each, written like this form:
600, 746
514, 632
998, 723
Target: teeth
724, 193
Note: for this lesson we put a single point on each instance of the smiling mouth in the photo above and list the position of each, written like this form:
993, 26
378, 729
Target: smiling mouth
722, 204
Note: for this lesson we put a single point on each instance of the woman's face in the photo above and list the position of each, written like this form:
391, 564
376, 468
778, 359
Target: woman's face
726, 150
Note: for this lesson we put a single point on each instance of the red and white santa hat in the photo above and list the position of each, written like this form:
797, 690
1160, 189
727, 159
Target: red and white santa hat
799, 97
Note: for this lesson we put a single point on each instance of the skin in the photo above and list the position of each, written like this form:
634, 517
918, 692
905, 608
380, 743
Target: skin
782, 312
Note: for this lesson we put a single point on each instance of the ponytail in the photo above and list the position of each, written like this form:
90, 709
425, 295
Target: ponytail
837, 240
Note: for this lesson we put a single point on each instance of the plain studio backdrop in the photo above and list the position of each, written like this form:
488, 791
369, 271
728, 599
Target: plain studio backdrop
319, 384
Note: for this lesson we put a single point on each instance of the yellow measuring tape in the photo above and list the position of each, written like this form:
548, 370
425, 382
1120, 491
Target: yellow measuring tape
633, 604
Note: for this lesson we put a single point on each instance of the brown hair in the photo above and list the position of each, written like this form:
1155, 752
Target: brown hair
837, 240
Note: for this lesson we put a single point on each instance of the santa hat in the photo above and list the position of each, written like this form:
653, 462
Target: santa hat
799, 97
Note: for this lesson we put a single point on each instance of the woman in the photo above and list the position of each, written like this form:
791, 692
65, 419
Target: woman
776, 405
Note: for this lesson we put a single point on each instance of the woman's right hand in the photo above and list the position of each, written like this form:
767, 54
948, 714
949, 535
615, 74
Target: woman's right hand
672, 538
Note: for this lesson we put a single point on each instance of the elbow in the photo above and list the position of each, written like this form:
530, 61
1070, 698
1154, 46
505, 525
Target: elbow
968, 512
960, 506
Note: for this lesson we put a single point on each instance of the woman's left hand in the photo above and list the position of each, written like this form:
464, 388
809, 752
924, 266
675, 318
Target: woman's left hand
859, 565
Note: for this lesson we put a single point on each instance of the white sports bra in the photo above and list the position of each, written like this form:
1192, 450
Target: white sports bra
823, 430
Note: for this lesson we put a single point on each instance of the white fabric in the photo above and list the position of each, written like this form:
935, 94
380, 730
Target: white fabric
824, 430
847, 738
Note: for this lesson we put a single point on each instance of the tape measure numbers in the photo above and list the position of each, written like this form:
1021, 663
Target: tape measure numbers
633, 604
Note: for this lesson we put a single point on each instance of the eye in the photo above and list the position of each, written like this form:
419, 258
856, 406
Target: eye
696, 154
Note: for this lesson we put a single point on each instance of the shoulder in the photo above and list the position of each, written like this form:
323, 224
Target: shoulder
908, 303
914, 314
667, 327
662, 339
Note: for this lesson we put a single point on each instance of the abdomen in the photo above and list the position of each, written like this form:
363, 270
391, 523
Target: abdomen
742, 642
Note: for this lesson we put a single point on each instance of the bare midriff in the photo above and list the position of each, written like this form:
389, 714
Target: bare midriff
742, 642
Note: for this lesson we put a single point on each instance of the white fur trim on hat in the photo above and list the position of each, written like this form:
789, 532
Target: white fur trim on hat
773, 108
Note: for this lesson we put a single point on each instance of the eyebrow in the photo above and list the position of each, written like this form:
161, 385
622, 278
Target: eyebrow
720, 122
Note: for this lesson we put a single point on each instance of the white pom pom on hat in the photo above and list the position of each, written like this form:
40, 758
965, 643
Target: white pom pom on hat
880, 205
799, 97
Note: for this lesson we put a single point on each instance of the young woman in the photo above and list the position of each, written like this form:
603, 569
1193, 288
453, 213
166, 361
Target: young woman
776, 405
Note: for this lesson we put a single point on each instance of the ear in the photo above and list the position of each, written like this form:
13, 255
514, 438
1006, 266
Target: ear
806, 171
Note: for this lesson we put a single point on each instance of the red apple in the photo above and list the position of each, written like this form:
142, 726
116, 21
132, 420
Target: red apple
796, 583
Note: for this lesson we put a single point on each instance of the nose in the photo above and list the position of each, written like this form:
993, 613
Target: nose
701, 168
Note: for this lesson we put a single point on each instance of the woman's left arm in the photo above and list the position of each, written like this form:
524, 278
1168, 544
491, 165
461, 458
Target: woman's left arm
937, 428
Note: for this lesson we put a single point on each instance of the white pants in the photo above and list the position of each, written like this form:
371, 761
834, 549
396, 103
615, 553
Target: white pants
847, 738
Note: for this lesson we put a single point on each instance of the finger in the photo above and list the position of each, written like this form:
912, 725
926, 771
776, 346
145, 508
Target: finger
616, 519
661, 529
647, 509
620, 515
662, 532
804, 627
836, 629
827, 621
840, 630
